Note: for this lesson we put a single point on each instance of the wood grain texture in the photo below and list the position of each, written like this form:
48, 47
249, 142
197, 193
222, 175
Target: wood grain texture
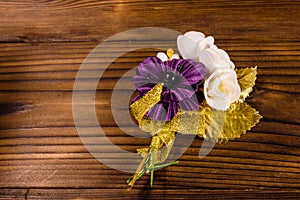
42, 45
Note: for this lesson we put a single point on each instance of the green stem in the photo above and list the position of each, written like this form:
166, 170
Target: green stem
151, 166
156, 167
151, 178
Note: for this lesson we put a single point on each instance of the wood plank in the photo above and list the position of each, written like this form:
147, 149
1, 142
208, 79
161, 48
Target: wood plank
245, 157
89, 174
109, 84
46, 54
156, 194
18, 194
151, 194
43, 21
58, 106
50, 67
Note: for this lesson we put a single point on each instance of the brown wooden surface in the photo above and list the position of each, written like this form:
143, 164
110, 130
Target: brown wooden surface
43, 43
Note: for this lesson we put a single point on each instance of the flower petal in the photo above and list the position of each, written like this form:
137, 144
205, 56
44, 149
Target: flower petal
145, 88
221, 89
208, 58
183, 93
187, 47
224, 55
195, 36
190, 103
193, 72
136, 98
206, 43
149, 71
163, 111
167, 95
175, 56
212, 61
172, 110
157, 112
162, 56
149, 66
142, 91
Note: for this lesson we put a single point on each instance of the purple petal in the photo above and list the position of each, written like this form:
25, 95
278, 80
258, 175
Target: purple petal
193, 72
145, 88
157, 112
168, 95
149, 71
136, 98
172, 110
173, 64
182, 93
151, 64
163, 111
139, 81
190, 103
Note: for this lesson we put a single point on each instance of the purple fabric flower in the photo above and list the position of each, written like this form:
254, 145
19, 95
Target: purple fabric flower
181, 79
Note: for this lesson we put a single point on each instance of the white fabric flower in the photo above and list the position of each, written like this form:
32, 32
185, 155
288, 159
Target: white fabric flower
214, 58
194, 45
164, 56
221, 89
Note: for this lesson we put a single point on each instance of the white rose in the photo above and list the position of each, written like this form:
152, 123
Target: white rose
194, 45
221, 89
214, 58
188, 44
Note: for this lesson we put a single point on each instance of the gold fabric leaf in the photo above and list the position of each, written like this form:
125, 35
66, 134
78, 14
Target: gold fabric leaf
246, 79
230, 124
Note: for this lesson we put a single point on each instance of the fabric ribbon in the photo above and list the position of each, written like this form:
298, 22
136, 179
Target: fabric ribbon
160, 137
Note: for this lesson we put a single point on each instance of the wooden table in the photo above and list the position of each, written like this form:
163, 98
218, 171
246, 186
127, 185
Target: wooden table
42, 45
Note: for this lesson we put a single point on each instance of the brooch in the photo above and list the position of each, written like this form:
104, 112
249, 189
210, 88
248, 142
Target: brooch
198, 92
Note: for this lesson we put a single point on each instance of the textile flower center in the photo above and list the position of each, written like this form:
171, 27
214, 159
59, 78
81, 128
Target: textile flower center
171, 80
222, 87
